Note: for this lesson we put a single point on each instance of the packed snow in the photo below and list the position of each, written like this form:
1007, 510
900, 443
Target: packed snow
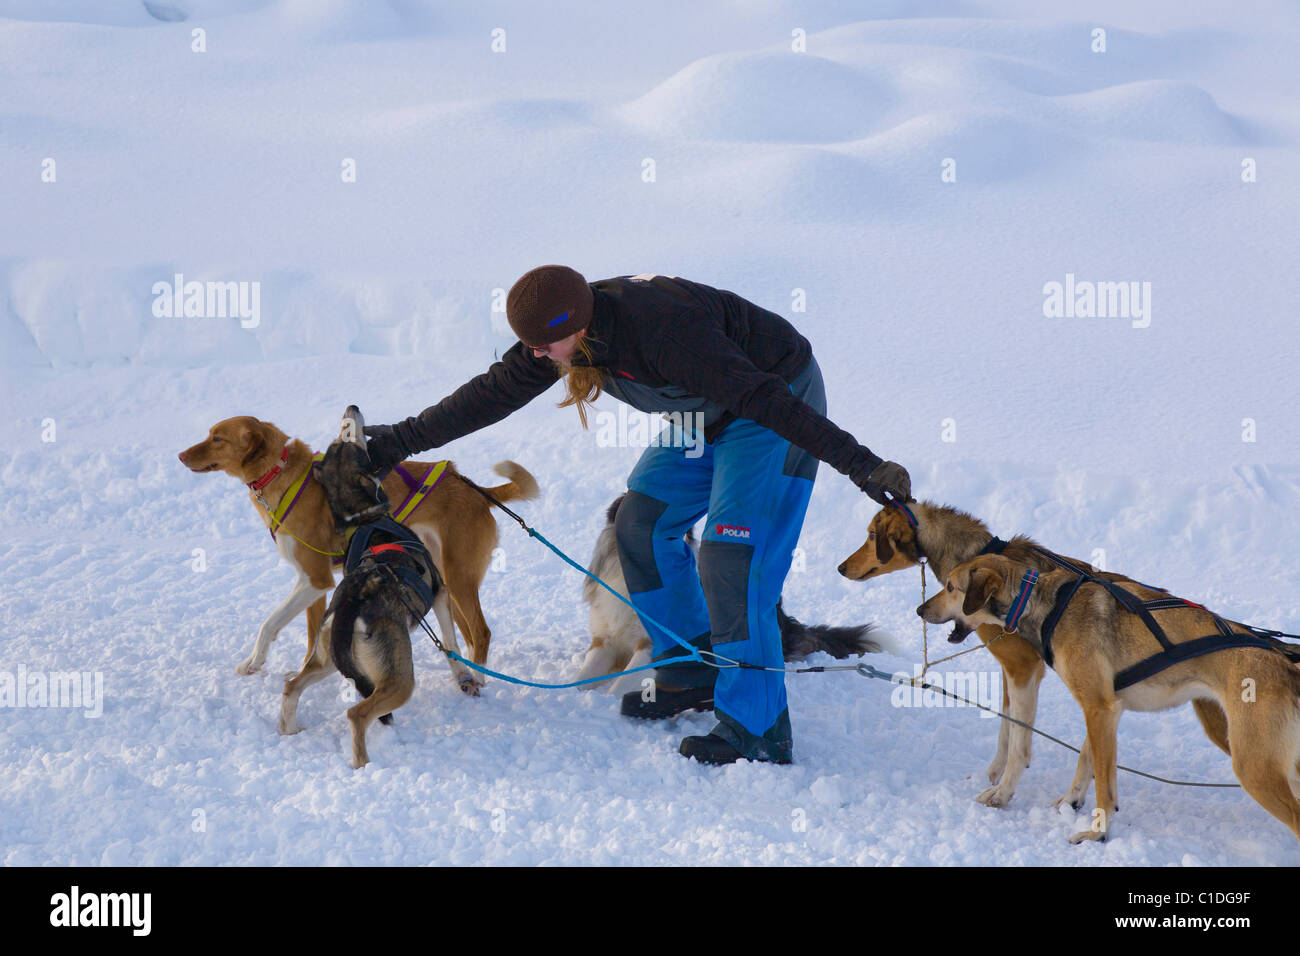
698, 141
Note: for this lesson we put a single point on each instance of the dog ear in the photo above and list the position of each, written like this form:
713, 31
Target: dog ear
256, 446
884, 546
983, 584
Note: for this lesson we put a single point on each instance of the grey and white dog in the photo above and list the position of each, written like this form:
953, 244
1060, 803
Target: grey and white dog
619, 641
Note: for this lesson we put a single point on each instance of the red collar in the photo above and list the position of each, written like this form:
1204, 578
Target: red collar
270, 475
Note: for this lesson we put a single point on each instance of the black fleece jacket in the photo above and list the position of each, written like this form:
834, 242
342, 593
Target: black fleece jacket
662, 331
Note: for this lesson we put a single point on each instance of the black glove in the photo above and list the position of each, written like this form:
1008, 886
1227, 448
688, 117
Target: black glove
385, 449
887, 477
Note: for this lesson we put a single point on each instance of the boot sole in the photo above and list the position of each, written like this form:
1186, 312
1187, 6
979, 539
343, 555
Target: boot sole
664, 715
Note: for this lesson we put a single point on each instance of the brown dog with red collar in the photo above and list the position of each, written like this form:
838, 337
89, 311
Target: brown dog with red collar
260, 454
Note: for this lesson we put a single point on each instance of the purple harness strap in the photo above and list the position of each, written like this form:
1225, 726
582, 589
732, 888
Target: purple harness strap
411, 483
296, 495
413, 487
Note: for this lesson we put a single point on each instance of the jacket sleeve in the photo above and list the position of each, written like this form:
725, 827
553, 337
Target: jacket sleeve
506, 386
697, 355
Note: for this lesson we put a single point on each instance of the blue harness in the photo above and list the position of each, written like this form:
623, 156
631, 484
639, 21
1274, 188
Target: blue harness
1170, 653
374, 539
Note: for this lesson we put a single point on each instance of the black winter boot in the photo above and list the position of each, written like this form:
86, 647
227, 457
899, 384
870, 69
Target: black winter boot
713, 749
667, 703
728, 742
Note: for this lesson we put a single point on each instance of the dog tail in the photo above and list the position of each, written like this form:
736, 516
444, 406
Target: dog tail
798, 640
342, 633
521, 487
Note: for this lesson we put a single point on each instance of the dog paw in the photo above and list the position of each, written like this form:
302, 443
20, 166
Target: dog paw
470, 686
1068, 798
249, 666
288, 728
1098, 836
994, 797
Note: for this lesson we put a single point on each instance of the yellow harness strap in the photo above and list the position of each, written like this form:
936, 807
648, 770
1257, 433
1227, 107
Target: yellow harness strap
290, 497
417, 496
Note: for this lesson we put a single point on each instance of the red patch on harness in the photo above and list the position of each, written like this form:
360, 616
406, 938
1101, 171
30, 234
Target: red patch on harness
386, 547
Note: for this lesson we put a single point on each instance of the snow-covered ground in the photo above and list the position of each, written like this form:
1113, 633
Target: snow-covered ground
691, 140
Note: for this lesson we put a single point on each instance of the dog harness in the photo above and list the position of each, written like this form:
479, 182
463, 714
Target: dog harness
393, 537
1022, 599
1170, 653
995, 546
417, 491
290, 497
280, 513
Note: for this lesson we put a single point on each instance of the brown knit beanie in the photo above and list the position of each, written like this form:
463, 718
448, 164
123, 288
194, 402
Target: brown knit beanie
548, 304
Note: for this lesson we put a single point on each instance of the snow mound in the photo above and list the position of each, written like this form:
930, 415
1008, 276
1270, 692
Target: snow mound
774, 97
64, 314
1064, 46
988, 145
1158, 110
344, 21
126, 13
859, 82
790, 185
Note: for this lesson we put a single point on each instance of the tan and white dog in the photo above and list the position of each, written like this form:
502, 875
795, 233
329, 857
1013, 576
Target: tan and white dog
945, 537
1257, 689
454, 522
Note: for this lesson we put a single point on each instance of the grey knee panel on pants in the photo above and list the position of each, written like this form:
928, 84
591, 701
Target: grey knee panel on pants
799, 464
724, 575
634, 529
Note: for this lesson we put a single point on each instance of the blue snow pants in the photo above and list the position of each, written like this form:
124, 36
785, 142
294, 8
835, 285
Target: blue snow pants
754, 486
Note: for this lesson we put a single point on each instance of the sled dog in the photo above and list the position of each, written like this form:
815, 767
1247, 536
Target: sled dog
389, 584
1093, 641
453, 521
945, 537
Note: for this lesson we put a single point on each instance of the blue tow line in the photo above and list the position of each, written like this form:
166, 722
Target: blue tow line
692, 652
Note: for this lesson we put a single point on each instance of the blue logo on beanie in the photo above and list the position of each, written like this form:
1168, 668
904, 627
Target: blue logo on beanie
557, 320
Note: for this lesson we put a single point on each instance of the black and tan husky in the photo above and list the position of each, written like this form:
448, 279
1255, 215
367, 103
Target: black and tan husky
389, 584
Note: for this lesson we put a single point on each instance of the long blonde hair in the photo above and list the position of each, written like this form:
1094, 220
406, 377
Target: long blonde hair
582, 381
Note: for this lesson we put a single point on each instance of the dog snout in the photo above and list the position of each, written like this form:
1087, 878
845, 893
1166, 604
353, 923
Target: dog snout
844, 568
